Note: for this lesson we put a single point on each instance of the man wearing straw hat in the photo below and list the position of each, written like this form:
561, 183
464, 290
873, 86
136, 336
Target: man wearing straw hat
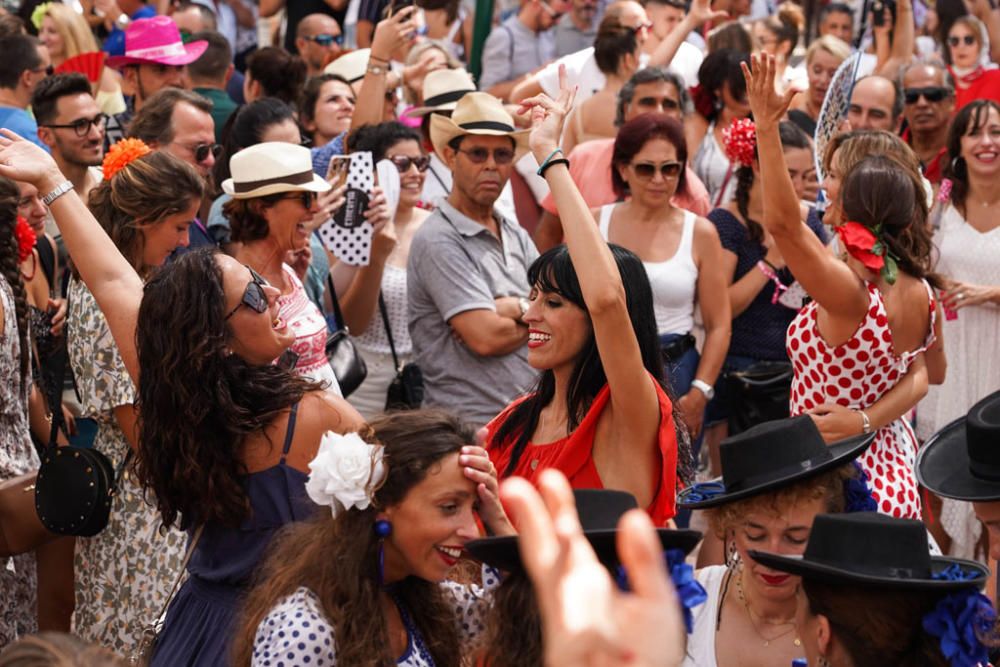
467, 270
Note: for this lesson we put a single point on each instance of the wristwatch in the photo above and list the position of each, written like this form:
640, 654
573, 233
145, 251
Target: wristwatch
377, 70
704, 388
123, 20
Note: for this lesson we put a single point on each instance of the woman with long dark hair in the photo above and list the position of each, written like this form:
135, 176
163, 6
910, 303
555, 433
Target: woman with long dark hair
600, 411
225, 435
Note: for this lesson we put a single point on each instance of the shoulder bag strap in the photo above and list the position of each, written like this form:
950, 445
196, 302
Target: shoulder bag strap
388, 330
341, 324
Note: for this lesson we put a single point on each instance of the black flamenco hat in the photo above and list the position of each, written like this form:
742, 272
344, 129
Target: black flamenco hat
769, 456
599, 511
875, 549
962, 460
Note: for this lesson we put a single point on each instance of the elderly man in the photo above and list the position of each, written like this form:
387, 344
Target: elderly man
876, 104
318, 41
649, 90
928, 103
467, 272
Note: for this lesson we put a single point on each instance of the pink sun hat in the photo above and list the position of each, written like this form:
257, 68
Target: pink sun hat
157, 41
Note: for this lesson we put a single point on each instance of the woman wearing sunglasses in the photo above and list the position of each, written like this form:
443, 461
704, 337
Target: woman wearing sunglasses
225, 435
969, 62
681, 252
376, 297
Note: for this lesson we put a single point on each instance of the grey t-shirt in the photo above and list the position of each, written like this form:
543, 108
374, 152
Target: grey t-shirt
570, 39
457, 265
513, 49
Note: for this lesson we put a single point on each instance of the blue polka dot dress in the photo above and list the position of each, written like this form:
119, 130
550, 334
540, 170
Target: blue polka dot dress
296, 632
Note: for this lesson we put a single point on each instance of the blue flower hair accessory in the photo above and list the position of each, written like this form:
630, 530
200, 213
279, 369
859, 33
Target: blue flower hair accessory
857, 493
690, 592
702, 491
961, 620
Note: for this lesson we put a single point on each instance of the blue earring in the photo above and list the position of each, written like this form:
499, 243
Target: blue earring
383, 529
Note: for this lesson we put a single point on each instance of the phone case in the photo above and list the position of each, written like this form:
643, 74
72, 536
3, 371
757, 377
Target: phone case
347, 234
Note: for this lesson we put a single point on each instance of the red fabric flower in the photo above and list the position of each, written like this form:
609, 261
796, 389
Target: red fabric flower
25, 236
704, 101
740, 140
862, 244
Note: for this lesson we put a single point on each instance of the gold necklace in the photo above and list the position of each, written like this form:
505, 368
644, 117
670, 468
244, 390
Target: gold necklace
750, 614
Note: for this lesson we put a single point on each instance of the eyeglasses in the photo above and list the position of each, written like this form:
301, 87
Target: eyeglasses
48, 69
642, 26
646, 170
254, 296
665, 103
931, 94
306, 197
481, 155
403, 163
955, 40
82, 125
201, 151
325, 39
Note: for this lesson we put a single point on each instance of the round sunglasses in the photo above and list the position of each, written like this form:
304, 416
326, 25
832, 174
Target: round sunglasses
955, 40
403, 163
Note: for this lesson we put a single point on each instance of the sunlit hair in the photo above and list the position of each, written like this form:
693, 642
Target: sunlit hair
76, 35
786, 25
57, 649
834, 46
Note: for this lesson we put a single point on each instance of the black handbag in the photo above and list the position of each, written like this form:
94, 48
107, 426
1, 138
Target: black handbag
758, 393
344, 358
406, 392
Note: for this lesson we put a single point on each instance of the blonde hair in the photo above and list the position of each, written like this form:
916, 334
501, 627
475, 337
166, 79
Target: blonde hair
57, 649
451, 62
859, 144
835, 46
72, 27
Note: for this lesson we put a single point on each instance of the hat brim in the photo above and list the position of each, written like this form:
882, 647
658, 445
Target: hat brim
444, 129
841, 452
832, 574
503, 552
317, 184
192, 51
943, 467
420, 112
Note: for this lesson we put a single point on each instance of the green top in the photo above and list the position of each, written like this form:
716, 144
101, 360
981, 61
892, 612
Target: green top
222, 107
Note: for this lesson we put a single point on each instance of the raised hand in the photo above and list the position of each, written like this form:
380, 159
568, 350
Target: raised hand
21, 160
548, 117
476, 466
701, 12
767, 105
392, 33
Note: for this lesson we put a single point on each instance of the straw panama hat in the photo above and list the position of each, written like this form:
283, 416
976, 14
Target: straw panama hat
477, 113
351, 66
272, 167
157, 41
442, 90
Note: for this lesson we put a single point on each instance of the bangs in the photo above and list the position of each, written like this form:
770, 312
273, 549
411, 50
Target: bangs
553, 273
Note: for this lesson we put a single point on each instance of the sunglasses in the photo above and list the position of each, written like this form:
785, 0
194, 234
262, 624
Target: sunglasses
956, 40
254, 297
403, 163
82, 125
201, 151
325, 39
49, 70
931, 94
642, 26
306, 197
646, 170
481, 155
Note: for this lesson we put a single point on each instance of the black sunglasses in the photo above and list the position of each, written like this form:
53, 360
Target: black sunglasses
955, 40
201, 151
254, 297
646, 170
48, 69
82, 125
481, 155
931, 94
403, 163
304, 197
325, 39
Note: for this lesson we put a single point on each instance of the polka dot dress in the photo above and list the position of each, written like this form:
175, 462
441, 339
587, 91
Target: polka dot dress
855, 375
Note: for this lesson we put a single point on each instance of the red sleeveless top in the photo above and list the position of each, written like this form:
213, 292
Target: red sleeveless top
573, 455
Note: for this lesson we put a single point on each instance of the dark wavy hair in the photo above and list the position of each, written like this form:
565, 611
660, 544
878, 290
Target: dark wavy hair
337, 558
720, 68
246, 216
197, 401
310, 96
246, 127
380, 138
970, 118
11, 271
633, 135
553, 272
613, 42
279, 73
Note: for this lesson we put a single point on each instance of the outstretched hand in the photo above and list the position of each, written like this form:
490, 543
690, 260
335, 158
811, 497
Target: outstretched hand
766, 104
548, 117
701, 12
21, 160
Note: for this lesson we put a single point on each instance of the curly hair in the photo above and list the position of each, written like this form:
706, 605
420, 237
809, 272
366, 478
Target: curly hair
246, 216
191, 431
336, 558
141, 195
9, 196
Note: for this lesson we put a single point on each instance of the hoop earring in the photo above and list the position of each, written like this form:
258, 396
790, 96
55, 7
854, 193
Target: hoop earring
383, 529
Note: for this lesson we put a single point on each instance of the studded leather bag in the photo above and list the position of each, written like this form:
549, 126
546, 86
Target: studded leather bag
75, 488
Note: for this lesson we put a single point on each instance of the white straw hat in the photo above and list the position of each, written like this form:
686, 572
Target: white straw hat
477, 113
351, 66
272, 167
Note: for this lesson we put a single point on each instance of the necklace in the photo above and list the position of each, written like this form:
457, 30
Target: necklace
750, 614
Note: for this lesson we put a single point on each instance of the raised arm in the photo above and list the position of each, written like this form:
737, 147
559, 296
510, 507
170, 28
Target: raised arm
903, 41
108, 275
829, 281
389, 35
699, 13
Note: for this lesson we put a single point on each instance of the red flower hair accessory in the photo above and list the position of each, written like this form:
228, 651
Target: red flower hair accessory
122, 154
865, 245
740, 140
25, 236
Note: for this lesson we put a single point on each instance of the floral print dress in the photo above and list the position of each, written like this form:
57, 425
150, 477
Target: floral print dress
125, 573
17, 456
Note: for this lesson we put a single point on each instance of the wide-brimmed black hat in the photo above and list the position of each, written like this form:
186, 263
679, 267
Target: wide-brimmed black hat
962, 460
875, 549
769, 456
599, 511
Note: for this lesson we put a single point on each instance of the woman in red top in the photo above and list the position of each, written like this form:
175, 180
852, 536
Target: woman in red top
599, 412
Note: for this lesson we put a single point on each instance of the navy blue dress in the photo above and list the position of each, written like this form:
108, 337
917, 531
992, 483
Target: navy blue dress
200, 621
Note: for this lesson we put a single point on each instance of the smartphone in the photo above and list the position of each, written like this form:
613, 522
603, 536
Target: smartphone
397, 5
288, 360
336, 173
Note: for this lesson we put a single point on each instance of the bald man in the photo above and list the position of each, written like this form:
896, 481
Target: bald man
876, 104
317, 38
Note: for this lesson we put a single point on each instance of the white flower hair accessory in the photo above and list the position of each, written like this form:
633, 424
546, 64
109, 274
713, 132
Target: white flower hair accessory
345, 472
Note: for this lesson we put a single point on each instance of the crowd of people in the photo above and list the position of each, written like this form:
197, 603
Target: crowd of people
584, 333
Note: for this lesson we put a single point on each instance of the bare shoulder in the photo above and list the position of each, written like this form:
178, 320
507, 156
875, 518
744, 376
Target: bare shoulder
705, 234
325, 411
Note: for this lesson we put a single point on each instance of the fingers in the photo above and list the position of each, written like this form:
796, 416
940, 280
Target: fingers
537, 541
481, 436
641, 553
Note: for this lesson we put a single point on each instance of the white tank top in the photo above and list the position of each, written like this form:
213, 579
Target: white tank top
674, 281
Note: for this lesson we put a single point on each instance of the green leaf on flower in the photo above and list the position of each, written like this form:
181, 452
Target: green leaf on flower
889, 271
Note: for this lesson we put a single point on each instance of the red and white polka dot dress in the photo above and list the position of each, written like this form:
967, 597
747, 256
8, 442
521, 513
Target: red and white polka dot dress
856, 374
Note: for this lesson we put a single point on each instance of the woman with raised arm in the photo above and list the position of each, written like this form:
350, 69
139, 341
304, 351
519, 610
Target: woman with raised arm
872, 315
600, 412
225, 435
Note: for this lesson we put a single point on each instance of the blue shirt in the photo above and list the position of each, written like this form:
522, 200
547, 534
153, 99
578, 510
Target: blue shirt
21, 122
114, 45
321, 156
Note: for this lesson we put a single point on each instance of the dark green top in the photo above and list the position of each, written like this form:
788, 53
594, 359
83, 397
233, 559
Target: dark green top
222, 107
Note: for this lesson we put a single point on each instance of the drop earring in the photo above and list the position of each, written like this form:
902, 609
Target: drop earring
383, 529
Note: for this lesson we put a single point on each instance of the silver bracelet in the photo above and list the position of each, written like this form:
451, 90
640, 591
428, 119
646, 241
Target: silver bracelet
57, 192
866, 422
